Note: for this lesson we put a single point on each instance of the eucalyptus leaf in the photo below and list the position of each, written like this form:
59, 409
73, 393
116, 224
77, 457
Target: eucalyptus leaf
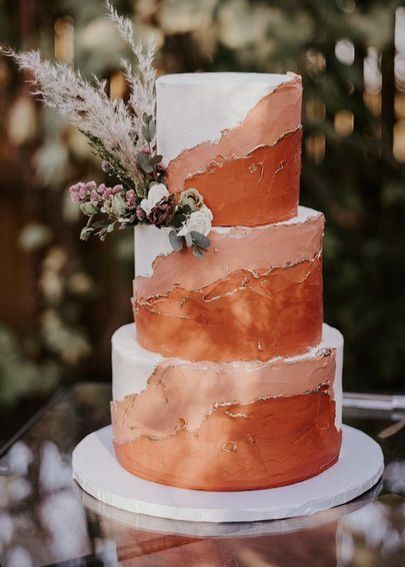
146, 133
178, 220
149, 129
177, 242
200, 240
197, 252
88, 209
186, 209
188, 240
154, 160
143, 161
152, 129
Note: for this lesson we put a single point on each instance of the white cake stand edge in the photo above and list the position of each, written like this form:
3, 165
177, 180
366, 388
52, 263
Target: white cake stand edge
98, 472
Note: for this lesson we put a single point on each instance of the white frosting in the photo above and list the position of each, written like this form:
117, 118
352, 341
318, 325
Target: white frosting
151, 242
304, 213
132, 365
196, 107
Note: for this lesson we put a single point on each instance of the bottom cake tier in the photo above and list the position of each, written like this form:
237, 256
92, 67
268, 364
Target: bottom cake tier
223, 426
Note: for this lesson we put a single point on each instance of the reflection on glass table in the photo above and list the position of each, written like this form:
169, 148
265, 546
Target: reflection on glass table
46, 519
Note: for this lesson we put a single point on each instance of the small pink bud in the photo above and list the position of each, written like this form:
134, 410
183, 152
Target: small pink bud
82, 191
74, 193
130, 197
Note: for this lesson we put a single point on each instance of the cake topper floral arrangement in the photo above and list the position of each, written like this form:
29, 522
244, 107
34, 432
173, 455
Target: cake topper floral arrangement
123, 136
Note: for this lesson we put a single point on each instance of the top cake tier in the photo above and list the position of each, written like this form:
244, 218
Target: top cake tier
236, 137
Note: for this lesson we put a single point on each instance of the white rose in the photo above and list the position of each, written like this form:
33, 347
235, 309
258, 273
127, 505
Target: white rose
199, 221
192, 198
156, 192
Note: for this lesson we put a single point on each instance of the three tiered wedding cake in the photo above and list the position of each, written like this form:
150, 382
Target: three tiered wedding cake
229, 379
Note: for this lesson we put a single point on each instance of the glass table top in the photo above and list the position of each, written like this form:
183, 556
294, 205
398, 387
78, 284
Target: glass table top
46, 519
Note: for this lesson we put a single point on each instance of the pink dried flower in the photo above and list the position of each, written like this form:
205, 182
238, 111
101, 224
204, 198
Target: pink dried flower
116, 189
94, 197
74, 193
131, 198
83, 191
102, 198
106, 193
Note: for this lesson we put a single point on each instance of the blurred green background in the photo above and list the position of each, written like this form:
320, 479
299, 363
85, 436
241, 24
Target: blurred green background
60, 299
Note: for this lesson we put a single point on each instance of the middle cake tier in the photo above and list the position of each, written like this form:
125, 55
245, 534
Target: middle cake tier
256, 294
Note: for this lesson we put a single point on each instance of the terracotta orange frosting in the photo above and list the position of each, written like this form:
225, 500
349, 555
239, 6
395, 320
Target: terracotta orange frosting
237, 248
269, 442
187, 392
251, 175
244, 316
270, 173
257, 294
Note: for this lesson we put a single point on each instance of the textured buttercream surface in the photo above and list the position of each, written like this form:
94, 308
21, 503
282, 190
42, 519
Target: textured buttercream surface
134, 367
216, 419
256, 294
276, 244
248, 175
267, 443
197, 107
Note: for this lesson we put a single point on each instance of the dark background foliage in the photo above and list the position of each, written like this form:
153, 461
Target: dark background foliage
60, 299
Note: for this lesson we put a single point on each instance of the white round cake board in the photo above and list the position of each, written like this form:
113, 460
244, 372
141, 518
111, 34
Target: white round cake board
227, 530
97, 470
